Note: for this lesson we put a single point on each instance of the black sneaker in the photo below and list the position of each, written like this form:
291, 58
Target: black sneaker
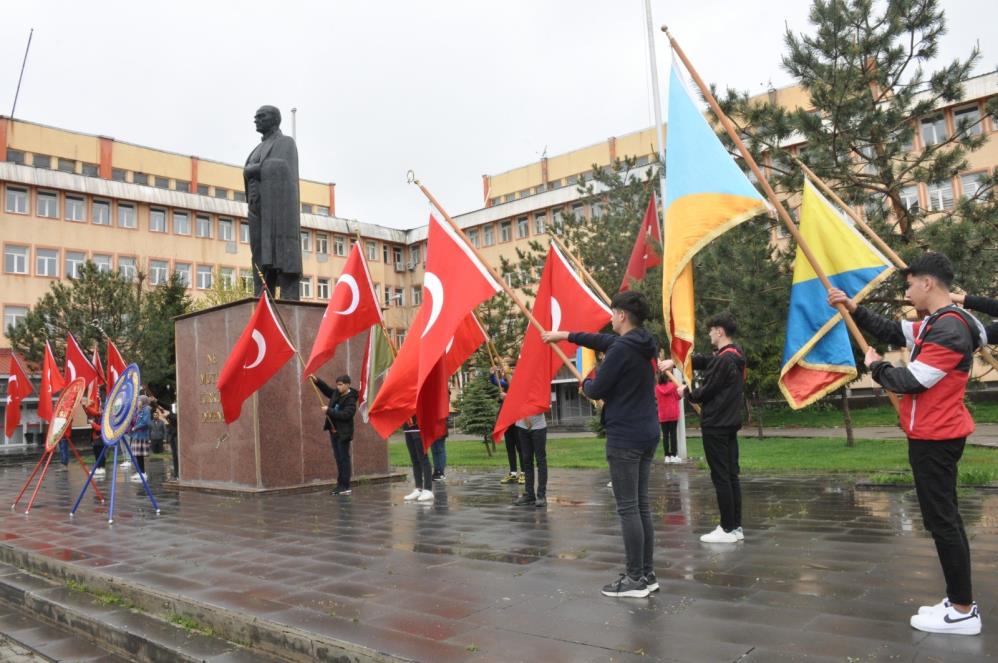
340, 491
524, 500
439, 477
541, 501
625, 587
652, 582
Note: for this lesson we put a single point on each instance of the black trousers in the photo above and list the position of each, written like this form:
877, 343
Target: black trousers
341, 454
173, 455
934, 466
720, 446
513, 450
97, 445
421, 471
534, 445
629, 471
670, 437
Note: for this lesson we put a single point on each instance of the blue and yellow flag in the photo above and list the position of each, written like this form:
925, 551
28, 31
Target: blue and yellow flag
817, 356
585, 361
706, 194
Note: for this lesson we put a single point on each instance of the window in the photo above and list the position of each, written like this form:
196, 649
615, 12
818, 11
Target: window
13, 315
372, 251
579, 211
74, 261
47, 262
100, 212
140, 178
227, 277
90, 170
400, 296
66, 165
161, 182
239, 195
417, 295
15, 156
388, 296
305, 289
183, 270
306, 208
934, 130
225, 230
540, 223
221, 193
488, 234
203, 190
973, 184
473, 237
556, 222
158, 272
306, 241
15, 259
126, 216
246, 276
181, 185
322, 288
204, 277
17, 201
397, 254
102, 262
202, 226
118, 175
505, 231
401, 338
244, 232
969, 117
322, 243
909, 197
48, 204
414, 255
522, 227
181, 223
41, 161
339, 246
322, 210
940, 195
596, 209
157, 220
386, 251
126, 267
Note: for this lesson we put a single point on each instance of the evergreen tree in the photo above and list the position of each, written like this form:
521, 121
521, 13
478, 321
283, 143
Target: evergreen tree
478, 407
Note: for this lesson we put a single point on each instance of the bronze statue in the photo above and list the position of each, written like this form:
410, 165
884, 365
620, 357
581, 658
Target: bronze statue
271, 180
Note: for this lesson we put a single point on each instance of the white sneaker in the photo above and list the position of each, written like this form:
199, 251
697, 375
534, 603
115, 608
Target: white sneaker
125, 463
739, 533
99, 473
949, 620
719, 536
425, 496
136, 478
928, 609
412, 496
609, 484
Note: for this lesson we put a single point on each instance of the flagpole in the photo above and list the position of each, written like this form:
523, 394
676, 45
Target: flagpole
872, 234
771, 195
502, 282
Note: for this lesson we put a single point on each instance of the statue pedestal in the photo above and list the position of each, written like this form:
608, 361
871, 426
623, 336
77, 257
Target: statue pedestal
277, 444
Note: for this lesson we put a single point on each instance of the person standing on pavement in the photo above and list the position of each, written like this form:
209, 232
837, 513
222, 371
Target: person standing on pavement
93, 411
625, 382
532, 432
935, 420
500, 377
338, 417
139, 441
667, 398
983, 305
721, 400
423, 492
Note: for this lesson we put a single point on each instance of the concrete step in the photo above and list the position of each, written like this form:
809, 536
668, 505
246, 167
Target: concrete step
64, 622
30, 640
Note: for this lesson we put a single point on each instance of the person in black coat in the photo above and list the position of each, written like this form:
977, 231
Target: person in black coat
984, 305
339, 422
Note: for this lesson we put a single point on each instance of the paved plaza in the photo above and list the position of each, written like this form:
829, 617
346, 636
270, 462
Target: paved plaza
826, 573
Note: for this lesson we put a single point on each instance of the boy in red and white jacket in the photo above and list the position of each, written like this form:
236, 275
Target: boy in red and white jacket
934, 418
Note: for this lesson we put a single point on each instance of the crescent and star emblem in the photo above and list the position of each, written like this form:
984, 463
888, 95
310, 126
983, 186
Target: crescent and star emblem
555, 315
261, 349
72, 371
351, 283
431, 283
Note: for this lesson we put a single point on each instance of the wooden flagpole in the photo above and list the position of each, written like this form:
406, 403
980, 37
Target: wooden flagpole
771, 195
502, 283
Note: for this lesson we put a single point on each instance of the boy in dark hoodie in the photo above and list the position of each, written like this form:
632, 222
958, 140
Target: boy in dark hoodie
339, 422
625, 381
720, 396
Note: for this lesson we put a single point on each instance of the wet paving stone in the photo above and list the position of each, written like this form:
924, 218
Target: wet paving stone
825, 573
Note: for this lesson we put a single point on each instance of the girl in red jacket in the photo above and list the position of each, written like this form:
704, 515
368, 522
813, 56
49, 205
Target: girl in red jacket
668, 416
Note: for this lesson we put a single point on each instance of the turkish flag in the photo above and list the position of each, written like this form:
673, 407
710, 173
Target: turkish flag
564, 302
644, 256
115, 364
52, 384
352, 309
18, 387
98, 368
468, 337
77, 364
260, 352
455, 282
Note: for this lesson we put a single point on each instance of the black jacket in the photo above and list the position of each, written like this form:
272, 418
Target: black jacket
988, 306
625, 381
720, 391
341, 409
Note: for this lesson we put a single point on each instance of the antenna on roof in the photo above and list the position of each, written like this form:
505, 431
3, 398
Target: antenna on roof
23, 63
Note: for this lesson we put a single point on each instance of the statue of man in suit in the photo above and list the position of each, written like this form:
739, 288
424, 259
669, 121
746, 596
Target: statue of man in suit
271, 180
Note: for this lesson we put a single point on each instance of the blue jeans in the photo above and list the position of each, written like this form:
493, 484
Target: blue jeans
629, 471
64, 451
341, 454
439, 451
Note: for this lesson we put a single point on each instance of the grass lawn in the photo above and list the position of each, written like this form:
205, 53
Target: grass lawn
881, 458
828, 415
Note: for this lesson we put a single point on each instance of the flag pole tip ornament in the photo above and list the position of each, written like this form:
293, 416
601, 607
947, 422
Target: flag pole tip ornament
410, 177
122, 406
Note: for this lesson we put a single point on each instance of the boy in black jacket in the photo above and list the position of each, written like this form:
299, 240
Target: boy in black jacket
720, 396
339, 422
984, 305
625, 381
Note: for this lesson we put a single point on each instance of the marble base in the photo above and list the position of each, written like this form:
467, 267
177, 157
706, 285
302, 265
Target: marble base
278, 441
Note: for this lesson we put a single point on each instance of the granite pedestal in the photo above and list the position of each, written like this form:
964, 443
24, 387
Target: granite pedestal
277, 444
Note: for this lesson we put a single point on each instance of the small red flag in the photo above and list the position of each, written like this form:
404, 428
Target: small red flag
643, 256
52, 384
77, 364
260, 352
352, 309
98, 368
115, 364
18, 387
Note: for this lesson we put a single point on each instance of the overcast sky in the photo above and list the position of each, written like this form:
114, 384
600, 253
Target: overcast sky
451, 89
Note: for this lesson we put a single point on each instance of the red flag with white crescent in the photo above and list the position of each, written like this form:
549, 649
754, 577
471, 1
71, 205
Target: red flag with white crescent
77, 364
18, 388
116, 364
98, 368
260, 352
52, 384
644, 255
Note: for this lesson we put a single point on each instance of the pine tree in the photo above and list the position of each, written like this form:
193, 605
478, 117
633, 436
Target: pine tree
478, 407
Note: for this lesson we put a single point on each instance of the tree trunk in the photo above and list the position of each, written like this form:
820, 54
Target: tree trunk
489, 445
758, 417
847, 417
